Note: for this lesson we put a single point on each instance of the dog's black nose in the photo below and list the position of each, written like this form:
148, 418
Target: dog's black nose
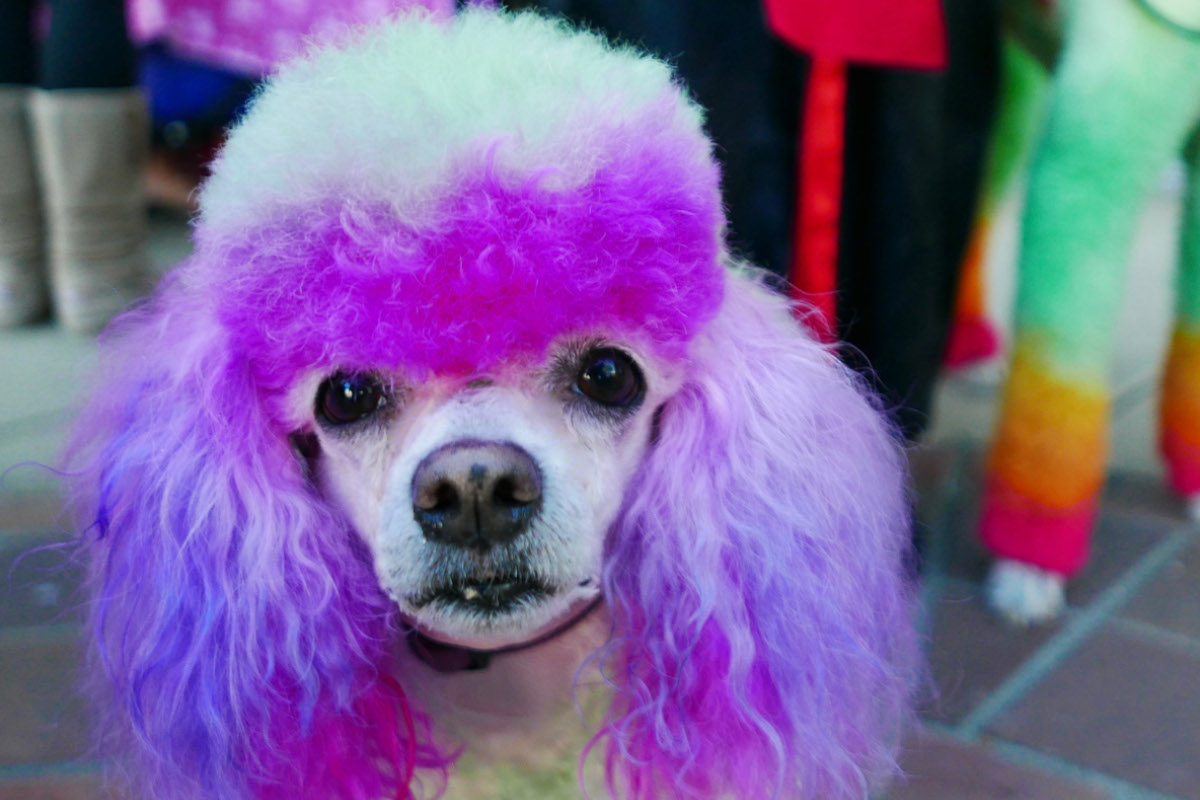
476, 494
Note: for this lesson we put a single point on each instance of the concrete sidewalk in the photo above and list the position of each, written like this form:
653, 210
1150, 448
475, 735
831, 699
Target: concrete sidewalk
44, 372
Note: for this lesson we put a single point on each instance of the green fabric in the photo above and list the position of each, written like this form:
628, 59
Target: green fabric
1124, 98
1023, 89
1187, 288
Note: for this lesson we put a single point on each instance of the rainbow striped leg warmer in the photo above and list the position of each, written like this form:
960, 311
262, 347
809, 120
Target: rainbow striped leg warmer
1124, 97
1179, 414
1023, 88
1046, 465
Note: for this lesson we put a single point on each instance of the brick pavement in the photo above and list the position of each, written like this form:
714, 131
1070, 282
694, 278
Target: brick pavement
1105, 703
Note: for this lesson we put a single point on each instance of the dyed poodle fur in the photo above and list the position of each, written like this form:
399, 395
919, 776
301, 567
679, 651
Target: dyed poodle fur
444, 199
1124, 101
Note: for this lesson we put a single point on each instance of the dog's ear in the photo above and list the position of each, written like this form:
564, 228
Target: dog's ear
237, 631
759, 576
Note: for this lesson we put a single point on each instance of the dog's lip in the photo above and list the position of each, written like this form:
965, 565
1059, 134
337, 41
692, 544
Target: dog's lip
577, 609
495, 594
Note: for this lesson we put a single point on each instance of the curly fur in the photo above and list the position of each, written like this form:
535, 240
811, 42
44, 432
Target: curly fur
756, 576
237, 626
763, 631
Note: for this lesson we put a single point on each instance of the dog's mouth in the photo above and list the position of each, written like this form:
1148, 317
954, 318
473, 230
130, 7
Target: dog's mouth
490, 595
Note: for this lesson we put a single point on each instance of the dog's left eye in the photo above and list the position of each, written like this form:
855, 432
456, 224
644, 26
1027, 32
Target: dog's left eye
610, 377
346, 398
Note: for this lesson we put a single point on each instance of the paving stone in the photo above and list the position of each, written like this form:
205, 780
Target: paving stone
39, 584
971, 652
21, 512
64, 788
1136, 514
1123, 534
1143, 494
941, 768
932, 466
44, 365
964, 409
965, 556
1131, 437
934, 475
28, 451
1172, 599
43, 715
1121, 705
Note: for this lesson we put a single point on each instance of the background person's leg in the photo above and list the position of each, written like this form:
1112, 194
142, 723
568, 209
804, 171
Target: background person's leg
17, 61
22, 270
92, 137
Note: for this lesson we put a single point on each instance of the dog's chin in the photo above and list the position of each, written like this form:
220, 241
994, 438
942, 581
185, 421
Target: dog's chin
498, 614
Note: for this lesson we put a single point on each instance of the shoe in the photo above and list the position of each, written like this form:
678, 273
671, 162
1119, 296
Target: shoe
23, 296
92, 146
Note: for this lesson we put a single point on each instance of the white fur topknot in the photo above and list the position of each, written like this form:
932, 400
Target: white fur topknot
328, 123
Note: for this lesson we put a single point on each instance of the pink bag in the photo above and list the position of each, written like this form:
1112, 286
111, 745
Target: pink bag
253, 36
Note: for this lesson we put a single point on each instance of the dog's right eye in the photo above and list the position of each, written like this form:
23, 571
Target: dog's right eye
346, 398
610, 377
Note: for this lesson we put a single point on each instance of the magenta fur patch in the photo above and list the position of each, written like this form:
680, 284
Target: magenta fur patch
509, 265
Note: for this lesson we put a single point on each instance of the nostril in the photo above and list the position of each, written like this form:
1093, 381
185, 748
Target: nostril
513, 493
442, 498
445, 498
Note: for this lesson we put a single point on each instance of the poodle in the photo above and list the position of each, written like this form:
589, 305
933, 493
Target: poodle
1123, 102
462, 458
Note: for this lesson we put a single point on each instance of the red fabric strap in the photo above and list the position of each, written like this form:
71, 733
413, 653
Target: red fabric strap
813, 272
899, 33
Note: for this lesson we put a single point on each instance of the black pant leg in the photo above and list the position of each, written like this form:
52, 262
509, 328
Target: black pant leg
915, 144
750, 87
17, 62
87, 46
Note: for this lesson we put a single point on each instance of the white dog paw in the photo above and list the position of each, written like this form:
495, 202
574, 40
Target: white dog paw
1024, 594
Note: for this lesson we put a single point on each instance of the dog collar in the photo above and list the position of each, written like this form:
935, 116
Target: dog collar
444, 657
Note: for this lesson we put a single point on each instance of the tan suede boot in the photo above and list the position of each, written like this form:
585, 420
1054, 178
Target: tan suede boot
92, 146
22, 266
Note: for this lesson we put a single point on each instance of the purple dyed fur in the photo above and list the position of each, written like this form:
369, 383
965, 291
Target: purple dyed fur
637, 247
756, 574
239, 636
764, 636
